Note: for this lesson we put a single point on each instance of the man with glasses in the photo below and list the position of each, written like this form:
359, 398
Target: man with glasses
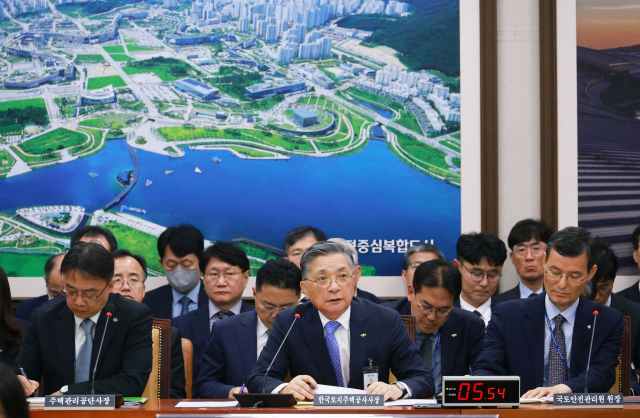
414, 256
236, 343
480, 259
64, 337
226, 274
449, 339
527, 241
357, 272
338, 337
546, 340
299, 239
130, 273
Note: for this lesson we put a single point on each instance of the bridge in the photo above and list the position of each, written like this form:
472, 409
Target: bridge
128, 187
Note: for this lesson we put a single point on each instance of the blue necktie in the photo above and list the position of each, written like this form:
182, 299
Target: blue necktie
224, 314
184, 301
334, 350
83, 360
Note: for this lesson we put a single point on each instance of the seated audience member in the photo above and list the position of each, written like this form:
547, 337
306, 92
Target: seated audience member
480, 259
527, 241
357, 273
13, 403
602, 283
130, 273
11, 329
338, 336
632, 292
64, 337
226, 274
545, 339
53, 281
236, 343
180, 248
414, 256
449, 339
97, 234
299, 239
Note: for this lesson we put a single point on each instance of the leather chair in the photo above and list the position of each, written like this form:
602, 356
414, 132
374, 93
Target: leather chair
623, 369
187, 354
409, 323
159, 385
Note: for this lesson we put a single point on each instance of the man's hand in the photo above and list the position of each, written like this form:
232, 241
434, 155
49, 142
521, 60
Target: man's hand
392, 392
236, 390
29, 386
541, 392
302, 387
58, 393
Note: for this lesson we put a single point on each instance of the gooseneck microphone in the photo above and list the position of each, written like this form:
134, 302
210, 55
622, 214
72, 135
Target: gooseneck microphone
597, 308
109, 309
297, 314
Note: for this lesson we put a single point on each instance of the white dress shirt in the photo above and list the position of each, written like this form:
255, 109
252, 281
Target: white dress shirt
262, 332
484, 309
608, 302
567, 328
525, 292
344, 341
213, 310
80, 334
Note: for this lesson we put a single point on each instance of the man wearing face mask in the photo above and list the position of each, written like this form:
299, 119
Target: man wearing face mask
180, 248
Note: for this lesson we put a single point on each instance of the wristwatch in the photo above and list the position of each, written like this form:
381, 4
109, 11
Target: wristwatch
402, 386
64, 389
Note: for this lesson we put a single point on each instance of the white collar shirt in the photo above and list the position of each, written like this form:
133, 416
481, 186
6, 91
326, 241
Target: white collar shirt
79, 331
484, 309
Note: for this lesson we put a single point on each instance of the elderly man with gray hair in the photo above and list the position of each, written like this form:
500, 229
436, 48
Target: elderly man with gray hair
357, 272
338, 337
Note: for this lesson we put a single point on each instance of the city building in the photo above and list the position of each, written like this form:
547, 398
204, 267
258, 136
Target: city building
97, 96
197, 89
304, 118
260, 90
244, 24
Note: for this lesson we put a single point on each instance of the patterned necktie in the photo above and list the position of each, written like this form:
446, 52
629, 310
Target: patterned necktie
184, 301
425, 352
83, 360
478, 314
557, 372
334, 351
224, 314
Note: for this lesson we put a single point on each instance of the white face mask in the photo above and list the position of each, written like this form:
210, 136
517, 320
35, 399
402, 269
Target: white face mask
181, 279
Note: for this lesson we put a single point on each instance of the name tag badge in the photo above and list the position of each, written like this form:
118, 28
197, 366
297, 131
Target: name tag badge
370, 374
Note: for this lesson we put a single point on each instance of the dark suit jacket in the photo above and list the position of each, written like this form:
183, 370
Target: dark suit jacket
376, 333
178, 379
8, 355
125, 360
462, 338
514, 345
631, 293
229, 356
160, 301
509, 295
402, 306
194, 326
456, 304
370, 297
26, 307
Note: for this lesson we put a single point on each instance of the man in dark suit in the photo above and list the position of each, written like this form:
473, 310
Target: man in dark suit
545, 339
414, 256
97, 234
236, 343
299, 239
226, 274
130, 274
527, 241
63, 338
180, 248
632, 292
358, 272
53, 281
338, 336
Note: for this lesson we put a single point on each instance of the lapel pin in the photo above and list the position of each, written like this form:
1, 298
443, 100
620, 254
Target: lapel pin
115, 319
454, 335
589, 326
363, 335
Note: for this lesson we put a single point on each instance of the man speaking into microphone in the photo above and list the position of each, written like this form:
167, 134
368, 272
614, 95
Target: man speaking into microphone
62, 343
545, 339
339, 339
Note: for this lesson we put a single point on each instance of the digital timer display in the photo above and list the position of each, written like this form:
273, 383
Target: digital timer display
481, 391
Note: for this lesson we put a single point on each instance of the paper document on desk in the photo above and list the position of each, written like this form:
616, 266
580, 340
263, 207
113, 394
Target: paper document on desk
35, 401
410, 402
209, 404
544, 399
337, 390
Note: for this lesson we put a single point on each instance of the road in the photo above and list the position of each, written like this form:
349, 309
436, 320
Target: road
74, 20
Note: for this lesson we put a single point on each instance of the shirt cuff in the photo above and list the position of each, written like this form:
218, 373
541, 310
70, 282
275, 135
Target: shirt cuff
404, 386
279, 388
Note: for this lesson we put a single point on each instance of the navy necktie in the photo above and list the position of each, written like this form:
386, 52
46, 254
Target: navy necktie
184, 301
426, 352
224, 314
334, 350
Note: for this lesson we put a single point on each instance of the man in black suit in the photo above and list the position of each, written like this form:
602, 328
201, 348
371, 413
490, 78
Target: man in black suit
527, 241
362, 294
632, 292
97, 234
338, 336
130, 274
180, 248
299, 239
53, 281
63, 338
226, 274
414, 256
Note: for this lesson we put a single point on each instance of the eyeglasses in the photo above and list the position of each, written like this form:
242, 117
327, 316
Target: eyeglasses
341, 280
440, 313
87, 297
477, 276
229, 275
415, 265
132, 282
271, 308
552, 275
535, 250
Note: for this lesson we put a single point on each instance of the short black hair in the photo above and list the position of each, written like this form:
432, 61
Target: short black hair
438, 273
421, 248
94, 231
280, 273
90, 260
572, 242
606, 260
183, 239
12, 399
48, 266
636, 237
475, 246
227, 252
121, 253
300, 232
528, 229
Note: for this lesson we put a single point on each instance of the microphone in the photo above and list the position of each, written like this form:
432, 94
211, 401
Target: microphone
109, 309
297, 314
597, 309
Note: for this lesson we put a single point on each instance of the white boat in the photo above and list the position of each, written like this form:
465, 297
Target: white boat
149, 182
198, 170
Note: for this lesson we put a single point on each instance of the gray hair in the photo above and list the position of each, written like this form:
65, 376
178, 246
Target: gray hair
320, 249
348, 246
572, 242
421, 248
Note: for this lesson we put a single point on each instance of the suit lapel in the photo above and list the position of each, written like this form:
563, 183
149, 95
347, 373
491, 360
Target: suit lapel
359, 341
110, 332
248, 342
534, 334
201, 324
65, 341
449, 344
203, 299
314, 336
581, 335
166, 309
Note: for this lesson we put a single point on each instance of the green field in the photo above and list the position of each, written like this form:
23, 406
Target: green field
23, 265
133, 48
122, 57
129, 41
165, 72
89, 58
13, 129
115, 49
100, 82
456, 135
116, 120
451, 144
250, 152
409, 121
21, 104
137, 242
94, 123
58, 139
